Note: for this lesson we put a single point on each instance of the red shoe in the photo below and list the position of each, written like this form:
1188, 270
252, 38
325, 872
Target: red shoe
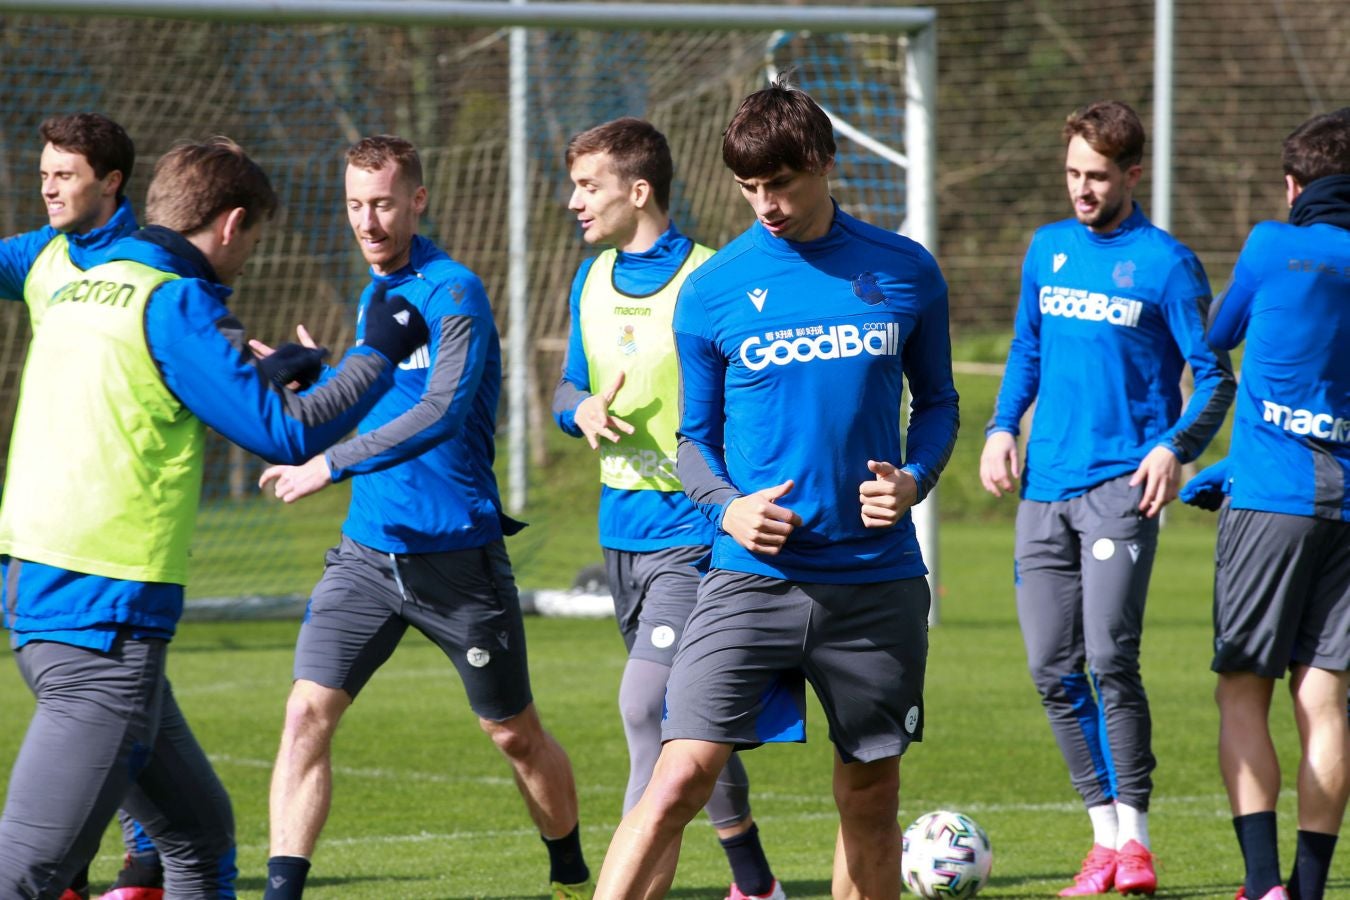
1278, 892
134, 893
775, 894
1134, 869
71, 894
1097, 875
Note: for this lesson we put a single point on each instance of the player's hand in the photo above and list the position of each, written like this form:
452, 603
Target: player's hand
888, 496
294, 482
1000, 467
294, 366
758, 523
1160, 474
1208, 488
593, 418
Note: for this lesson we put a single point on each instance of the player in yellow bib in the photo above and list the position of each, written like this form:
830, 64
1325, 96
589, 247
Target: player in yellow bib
619, 391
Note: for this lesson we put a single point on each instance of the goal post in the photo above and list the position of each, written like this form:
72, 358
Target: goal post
490, 91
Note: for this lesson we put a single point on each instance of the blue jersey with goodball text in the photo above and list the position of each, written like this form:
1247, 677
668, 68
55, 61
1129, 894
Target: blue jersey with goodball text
1105, 325
792, 359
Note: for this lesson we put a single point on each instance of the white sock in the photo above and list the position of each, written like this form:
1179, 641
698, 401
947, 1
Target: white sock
1104, 826
1133, 825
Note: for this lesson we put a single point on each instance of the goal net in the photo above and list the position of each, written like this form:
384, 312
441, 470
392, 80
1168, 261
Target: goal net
296, 94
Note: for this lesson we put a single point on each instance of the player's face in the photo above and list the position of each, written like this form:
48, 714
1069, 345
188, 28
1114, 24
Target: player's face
791, 204
1101, 191
603, 201
77, 200
384, 208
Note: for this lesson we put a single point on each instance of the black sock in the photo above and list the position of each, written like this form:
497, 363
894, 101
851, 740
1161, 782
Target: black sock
1312, 864
286, 878
1256, 837
749, 869
141, 871
80, 883
566, 863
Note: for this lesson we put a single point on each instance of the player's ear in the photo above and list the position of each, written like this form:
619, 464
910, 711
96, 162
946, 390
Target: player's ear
112, 182
1133, 174
231, 223
420, 199
640, 193
1292, 189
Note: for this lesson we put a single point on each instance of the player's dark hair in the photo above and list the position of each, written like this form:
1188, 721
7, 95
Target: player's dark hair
638, 152
377, 151
1111, 128
103, 143
194, 183
776, 127
1318, 148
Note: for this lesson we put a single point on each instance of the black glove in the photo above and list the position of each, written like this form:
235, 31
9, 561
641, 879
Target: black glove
394, 326
293, 362
1208, 488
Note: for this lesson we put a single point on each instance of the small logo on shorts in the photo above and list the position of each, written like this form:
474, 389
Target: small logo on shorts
912, 719
663, 636
478, 657
1134, 551
1103, 549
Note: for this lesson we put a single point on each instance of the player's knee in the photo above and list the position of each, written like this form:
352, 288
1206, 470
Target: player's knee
640, 715
681, 785
875, 803
519, 737
313, 713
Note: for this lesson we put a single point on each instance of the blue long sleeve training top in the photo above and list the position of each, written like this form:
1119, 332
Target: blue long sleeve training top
630, 520
1105, 325
1290, 301
424, 452
203, 356
792, 357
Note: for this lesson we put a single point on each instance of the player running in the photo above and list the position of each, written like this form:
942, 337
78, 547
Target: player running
422, 545
1112, 308
816, 571
618, 390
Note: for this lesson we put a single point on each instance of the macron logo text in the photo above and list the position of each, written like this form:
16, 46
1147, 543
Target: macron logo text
1075, 303
1305, 422
835, 342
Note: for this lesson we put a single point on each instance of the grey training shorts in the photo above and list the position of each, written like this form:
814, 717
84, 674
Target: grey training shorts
752, 641
465, 601
1281, 593
654, 593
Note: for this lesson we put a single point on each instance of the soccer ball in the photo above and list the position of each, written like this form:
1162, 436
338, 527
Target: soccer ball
945, 855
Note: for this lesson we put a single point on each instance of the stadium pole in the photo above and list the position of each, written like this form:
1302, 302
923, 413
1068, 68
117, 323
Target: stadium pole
518, 277
1163, 30
921, 225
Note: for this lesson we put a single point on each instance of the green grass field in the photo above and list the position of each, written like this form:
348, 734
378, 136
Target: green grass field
424, 808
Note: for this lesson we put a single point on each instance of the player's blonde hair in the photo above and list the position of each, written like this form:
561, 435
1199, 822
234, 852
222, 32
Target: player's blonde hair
379, 150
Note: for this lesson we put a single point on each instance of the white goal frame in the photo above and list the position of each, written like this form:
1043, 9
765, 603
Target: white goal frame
915, 25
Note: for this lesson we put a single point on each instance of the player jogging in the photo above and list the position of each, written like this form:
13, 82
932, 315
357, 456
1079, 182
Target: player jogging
816, 571
618, 390
1111, 310
422, 545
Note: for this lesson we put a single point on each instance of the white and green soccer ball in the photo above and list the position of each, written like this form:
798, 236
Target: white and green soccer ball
945, 855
